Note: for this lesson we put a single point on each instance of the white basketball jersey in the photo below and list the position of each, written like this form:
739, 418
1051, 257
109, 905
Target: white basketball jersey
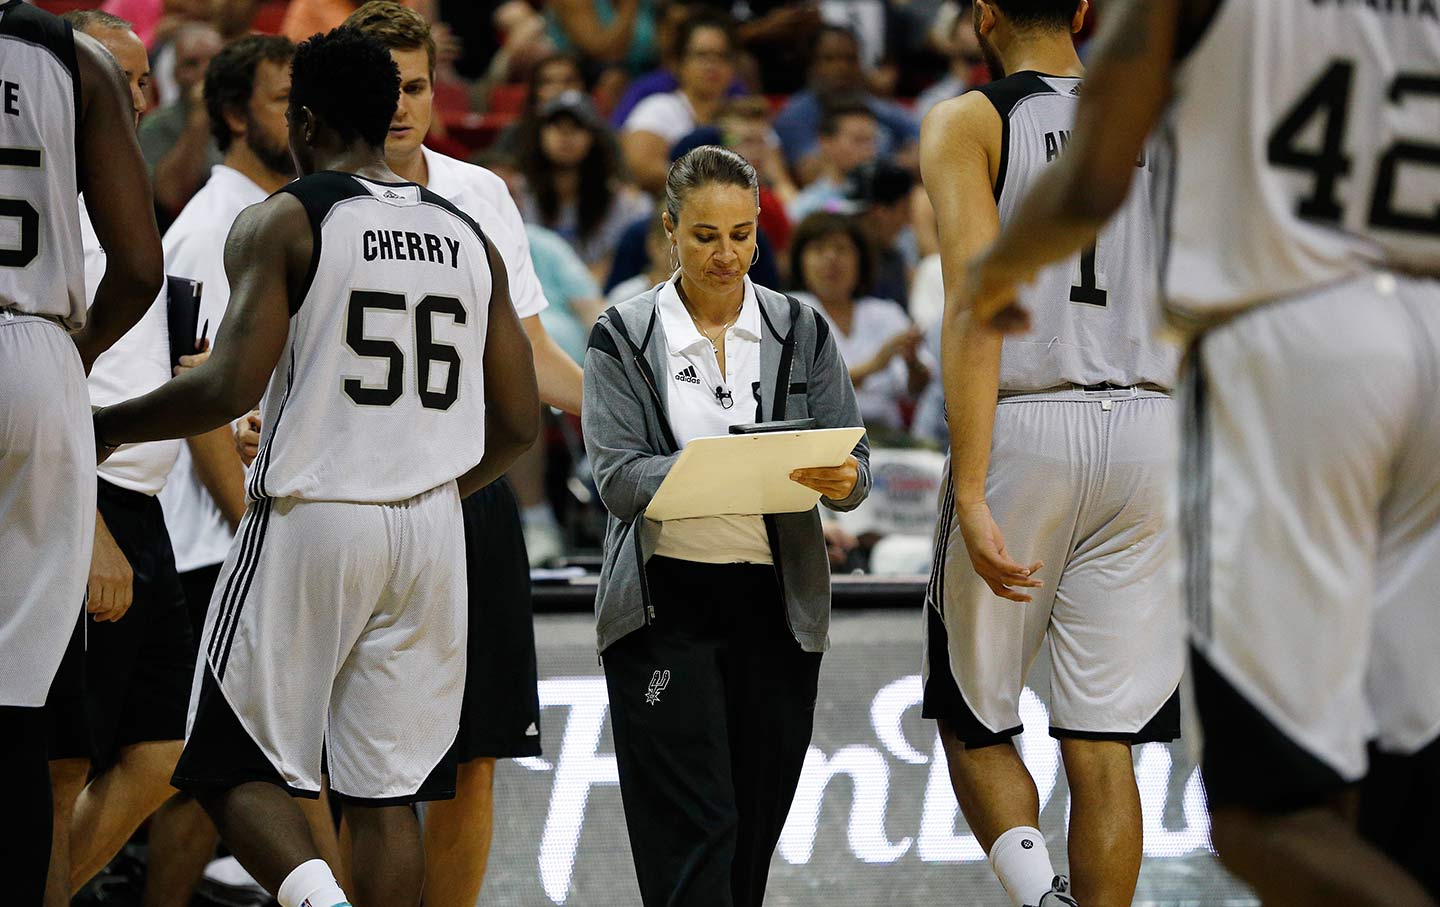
1093, 315
1307, 142
42, 269
379, 394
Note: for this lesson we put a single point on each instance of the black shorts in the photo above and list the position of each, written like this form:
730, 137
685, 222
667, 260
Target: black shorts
1247, 760
199, 587
138, 670
221, 754
66, 724
1400, 810
500, 717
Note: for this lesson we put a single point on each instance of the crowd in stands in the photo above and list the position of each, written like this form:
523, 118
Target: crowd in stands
581, 105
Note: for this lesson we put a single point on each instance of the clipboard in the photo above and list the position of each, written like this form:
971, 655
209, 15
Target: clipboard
182, 310
748, 474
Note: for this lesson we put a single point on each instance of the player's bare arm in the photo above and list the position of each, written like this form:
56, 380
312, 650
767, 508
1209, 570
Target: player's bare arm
959, 159
1126, 90
117, 186
512, 398
266, 258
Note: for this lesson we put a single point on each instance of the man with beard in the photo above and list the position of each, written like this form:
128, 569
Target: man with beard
1062, 447
247, 88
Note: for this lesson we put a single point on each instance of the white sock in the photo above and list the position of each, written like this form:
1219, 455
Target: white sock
1023, 864
311, 884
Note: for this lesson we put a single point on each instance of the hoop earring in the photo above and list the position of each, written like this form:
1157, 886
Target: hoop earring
674, 259
756, 257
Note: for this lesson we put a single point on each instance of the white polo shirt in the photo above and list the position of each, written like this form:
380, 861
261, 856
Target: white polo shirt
195, 248
484, 196
138, 363
697, 393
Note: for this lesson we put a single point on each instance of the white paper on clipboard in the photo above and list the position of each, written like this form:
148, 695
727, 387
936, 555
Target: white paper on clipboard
748, 473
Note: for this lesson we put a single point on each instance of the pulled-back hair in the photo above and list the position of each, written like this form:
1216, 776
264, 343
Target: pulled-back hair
82, 20
230, 79
396, 26
706, 166
1039, 13
348, 79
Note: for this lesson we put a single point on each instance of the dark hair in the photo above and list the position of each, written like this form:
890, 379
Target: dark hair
82, 20
837, 109
1039, 13
230, 78
397, 27
532, 104
598, 174
823, 225
701, 20
704, 166
348, 80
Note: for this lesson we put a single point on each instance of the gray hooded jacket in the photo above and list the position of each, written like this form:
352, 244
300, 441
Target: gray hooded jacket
631, 447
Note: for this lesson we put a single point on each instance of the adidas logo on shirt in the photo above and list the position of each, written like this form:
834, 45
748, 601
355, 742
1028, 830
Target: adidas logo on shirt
688, 375
389, 194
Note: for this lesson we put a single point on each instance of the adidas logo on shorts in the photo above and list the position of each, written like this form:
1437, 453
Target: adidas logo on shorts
688, 375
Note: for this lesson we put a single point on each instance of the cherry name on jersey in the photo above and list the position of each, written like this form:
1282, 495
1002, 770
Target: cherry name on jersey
407, 245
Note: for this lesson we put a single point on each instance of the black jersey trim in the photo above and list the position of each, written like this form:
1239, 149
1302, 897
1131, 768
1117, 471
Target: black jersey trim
319, 193
1191, 32
32, 25
1005, 95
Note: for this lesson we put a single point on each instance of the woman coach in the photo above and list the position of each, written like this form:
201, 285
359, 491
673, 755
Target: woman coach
711, 628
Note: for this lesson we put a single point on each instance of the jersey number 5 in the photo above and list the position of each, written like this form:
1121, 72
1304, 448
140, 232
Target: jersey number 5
21, 210
427, 351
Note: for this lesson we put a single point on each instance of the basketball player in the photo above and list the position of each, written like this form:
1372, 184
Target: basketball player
501, 712
1303, 253
1062, 441
374, 310
247, 90
66, 125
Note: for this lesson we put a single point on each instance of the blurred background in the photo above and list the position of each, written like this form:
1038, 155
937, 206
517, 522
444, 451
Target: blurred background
581, 105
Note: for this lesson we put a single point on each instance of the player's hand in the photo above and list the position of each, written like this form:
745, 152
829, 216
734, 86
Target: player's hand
198, 358
247, 437
112, 582
834, 482
993, 301
993, 564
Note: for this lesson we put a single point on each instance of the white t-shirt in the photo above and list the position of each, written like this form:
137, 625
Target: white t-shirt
195, 248
873, 323
138, 363
669, 116
692, 380
484, 196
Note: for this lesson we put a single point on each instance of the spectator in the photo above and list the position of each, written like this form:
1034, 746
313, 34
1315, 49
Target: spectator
662, 79
573, 184
606, 32
176, 139
154, 20
550, 77
659, 270
706, 45
832, 267
849, 137
835, 72
880, 194
965, 59
745, 129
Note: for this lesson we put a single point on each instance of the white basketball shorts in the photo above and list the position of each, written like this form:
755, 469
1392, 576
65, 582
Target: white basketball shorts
1311, 524
335, 628
47, 502
1082, 481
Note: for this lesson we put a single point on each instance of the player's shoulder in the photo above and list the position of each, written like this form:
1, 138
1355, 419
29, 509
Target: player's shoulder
1008, 93
968, 118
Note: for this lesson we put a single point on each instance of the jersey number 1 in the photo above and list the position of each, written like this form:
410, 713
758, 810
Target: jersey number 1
1087, 291
427, 351
21, 210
